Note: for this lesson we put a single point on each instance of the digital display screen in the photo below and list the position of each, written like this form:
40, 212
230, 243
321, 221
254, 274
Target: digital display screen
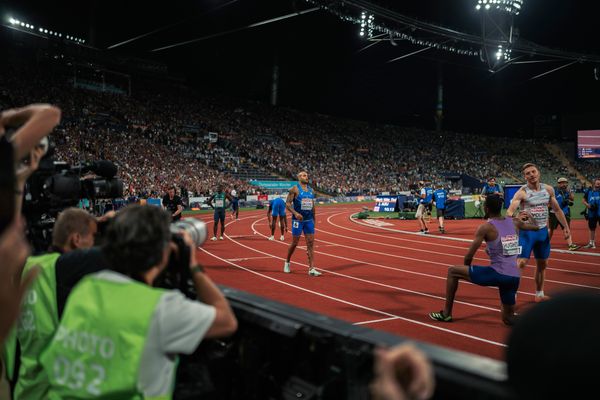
588, 144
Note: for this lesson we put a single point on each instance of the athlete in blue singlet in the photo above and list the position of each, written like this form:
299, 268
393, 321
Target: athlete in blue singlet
277, 211
440, 197
301, 204
534, 198
591, 200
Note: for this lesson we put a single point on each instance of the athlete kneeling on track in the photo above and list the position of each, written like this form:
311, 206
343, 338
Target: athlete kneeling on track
501, 237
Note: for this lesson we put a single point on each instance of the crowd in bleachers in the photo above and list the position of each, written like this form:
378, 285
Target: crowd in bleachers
157, 137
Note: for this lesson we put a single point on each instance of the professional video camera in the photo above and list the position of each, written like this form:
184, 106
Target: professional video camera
56, 185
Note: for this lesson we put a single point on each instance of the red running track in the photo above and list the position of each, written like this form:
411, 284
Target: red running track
386, 277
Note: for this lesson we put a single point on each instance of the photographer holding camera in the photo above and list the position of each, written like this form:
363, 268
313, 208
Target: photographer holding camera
564, 197
74, 229
591, 200
118, 335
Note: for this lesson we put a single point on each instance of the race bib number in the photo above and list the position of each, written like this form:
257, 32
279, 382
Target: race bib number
510, 245
296, 224
220, 203
539, 213
306, 204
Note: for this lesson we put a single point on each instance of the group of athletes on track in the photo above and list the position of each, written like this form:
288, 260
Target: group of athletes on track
510, 240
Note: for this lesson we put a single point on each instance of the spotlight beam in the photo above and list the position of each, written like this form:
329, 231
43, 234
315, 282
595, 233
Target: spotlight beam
554, 70
409, 55
214, 35
162, 28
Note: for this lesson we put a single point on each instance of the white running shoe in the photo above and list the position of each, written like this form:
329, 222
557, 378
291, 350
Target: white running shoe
221, 238
282, 238
271, 237
286, 267
314, 272
214, 238
590, 246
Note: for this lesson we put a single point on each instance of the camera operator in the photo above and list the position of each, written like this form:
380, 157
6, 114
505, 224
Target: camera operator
172, 203
74, 229
591, 200
118, 334
564, 197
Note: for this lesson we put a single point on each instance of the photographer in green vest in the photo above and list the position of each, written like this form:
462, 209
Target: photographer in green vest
73, 229
119, 336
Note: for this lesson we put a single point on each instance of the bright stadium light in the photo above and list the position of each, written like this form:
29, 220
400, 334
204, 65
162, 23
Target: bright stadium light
509, 6
11, 20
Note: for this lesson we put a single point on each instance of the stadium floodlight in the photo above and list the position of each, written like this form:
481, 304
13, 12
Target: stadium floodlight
11, 21
509, 6
45, 30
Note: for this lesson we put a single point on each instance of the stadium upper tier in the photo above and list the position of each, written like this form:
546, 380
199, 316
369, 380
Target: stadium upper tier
159, 136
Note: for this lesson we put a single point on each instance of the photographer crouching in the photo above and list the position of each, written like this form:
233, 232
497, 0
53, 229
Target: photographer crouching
118, 334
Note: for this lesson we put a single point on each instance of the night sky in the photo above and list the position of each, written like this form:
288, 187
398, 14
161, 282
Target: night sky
321, 69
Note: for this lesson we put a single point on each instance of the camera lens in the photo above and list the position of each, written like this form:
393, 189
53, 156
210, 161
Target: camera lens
194, 227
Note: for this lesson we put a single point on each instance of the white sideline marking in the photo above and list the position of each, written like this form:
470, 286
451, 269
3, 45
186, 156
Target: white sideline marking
462, 248
437, 252
375, 321
582, 253
357, 305
378, 283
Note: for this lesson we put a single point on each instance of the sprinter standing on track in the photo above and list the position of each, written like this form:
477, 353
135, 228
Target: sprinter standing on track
301, 204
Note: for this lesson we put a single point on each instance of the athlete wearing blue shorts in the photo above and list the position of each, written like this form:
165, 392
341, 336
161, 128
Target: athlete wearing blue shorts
534, 199
301, 203
440, 197
235, 203
277, 211
501, 237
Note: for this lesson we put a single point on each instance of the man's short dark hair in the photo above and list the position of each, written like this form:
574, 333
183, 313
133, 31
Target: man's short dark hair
527, 165
136, 238
70, 221
493, 204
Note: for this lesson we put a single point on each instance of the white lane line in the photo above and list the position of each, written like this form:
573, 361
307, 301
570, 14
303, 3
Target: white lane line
373, 321
437, 252
358, 305
245, 258
378, 283
581, 253
456, 247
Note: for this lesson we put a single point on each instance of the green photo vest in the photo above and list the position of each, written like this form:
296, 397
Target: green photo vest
98, 346
36, 326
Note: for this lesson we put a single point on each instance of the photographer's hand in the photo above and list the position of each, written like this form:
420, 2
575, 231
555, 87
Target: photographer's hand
34, 121
402, 372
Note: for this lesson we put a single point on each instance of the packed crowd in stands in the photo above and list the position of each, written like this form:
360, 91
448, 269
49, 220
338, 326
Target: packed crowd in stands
158, 137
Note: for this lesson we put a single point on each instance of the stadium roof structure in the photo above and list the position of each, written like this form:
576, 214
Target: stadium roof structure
494, 60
